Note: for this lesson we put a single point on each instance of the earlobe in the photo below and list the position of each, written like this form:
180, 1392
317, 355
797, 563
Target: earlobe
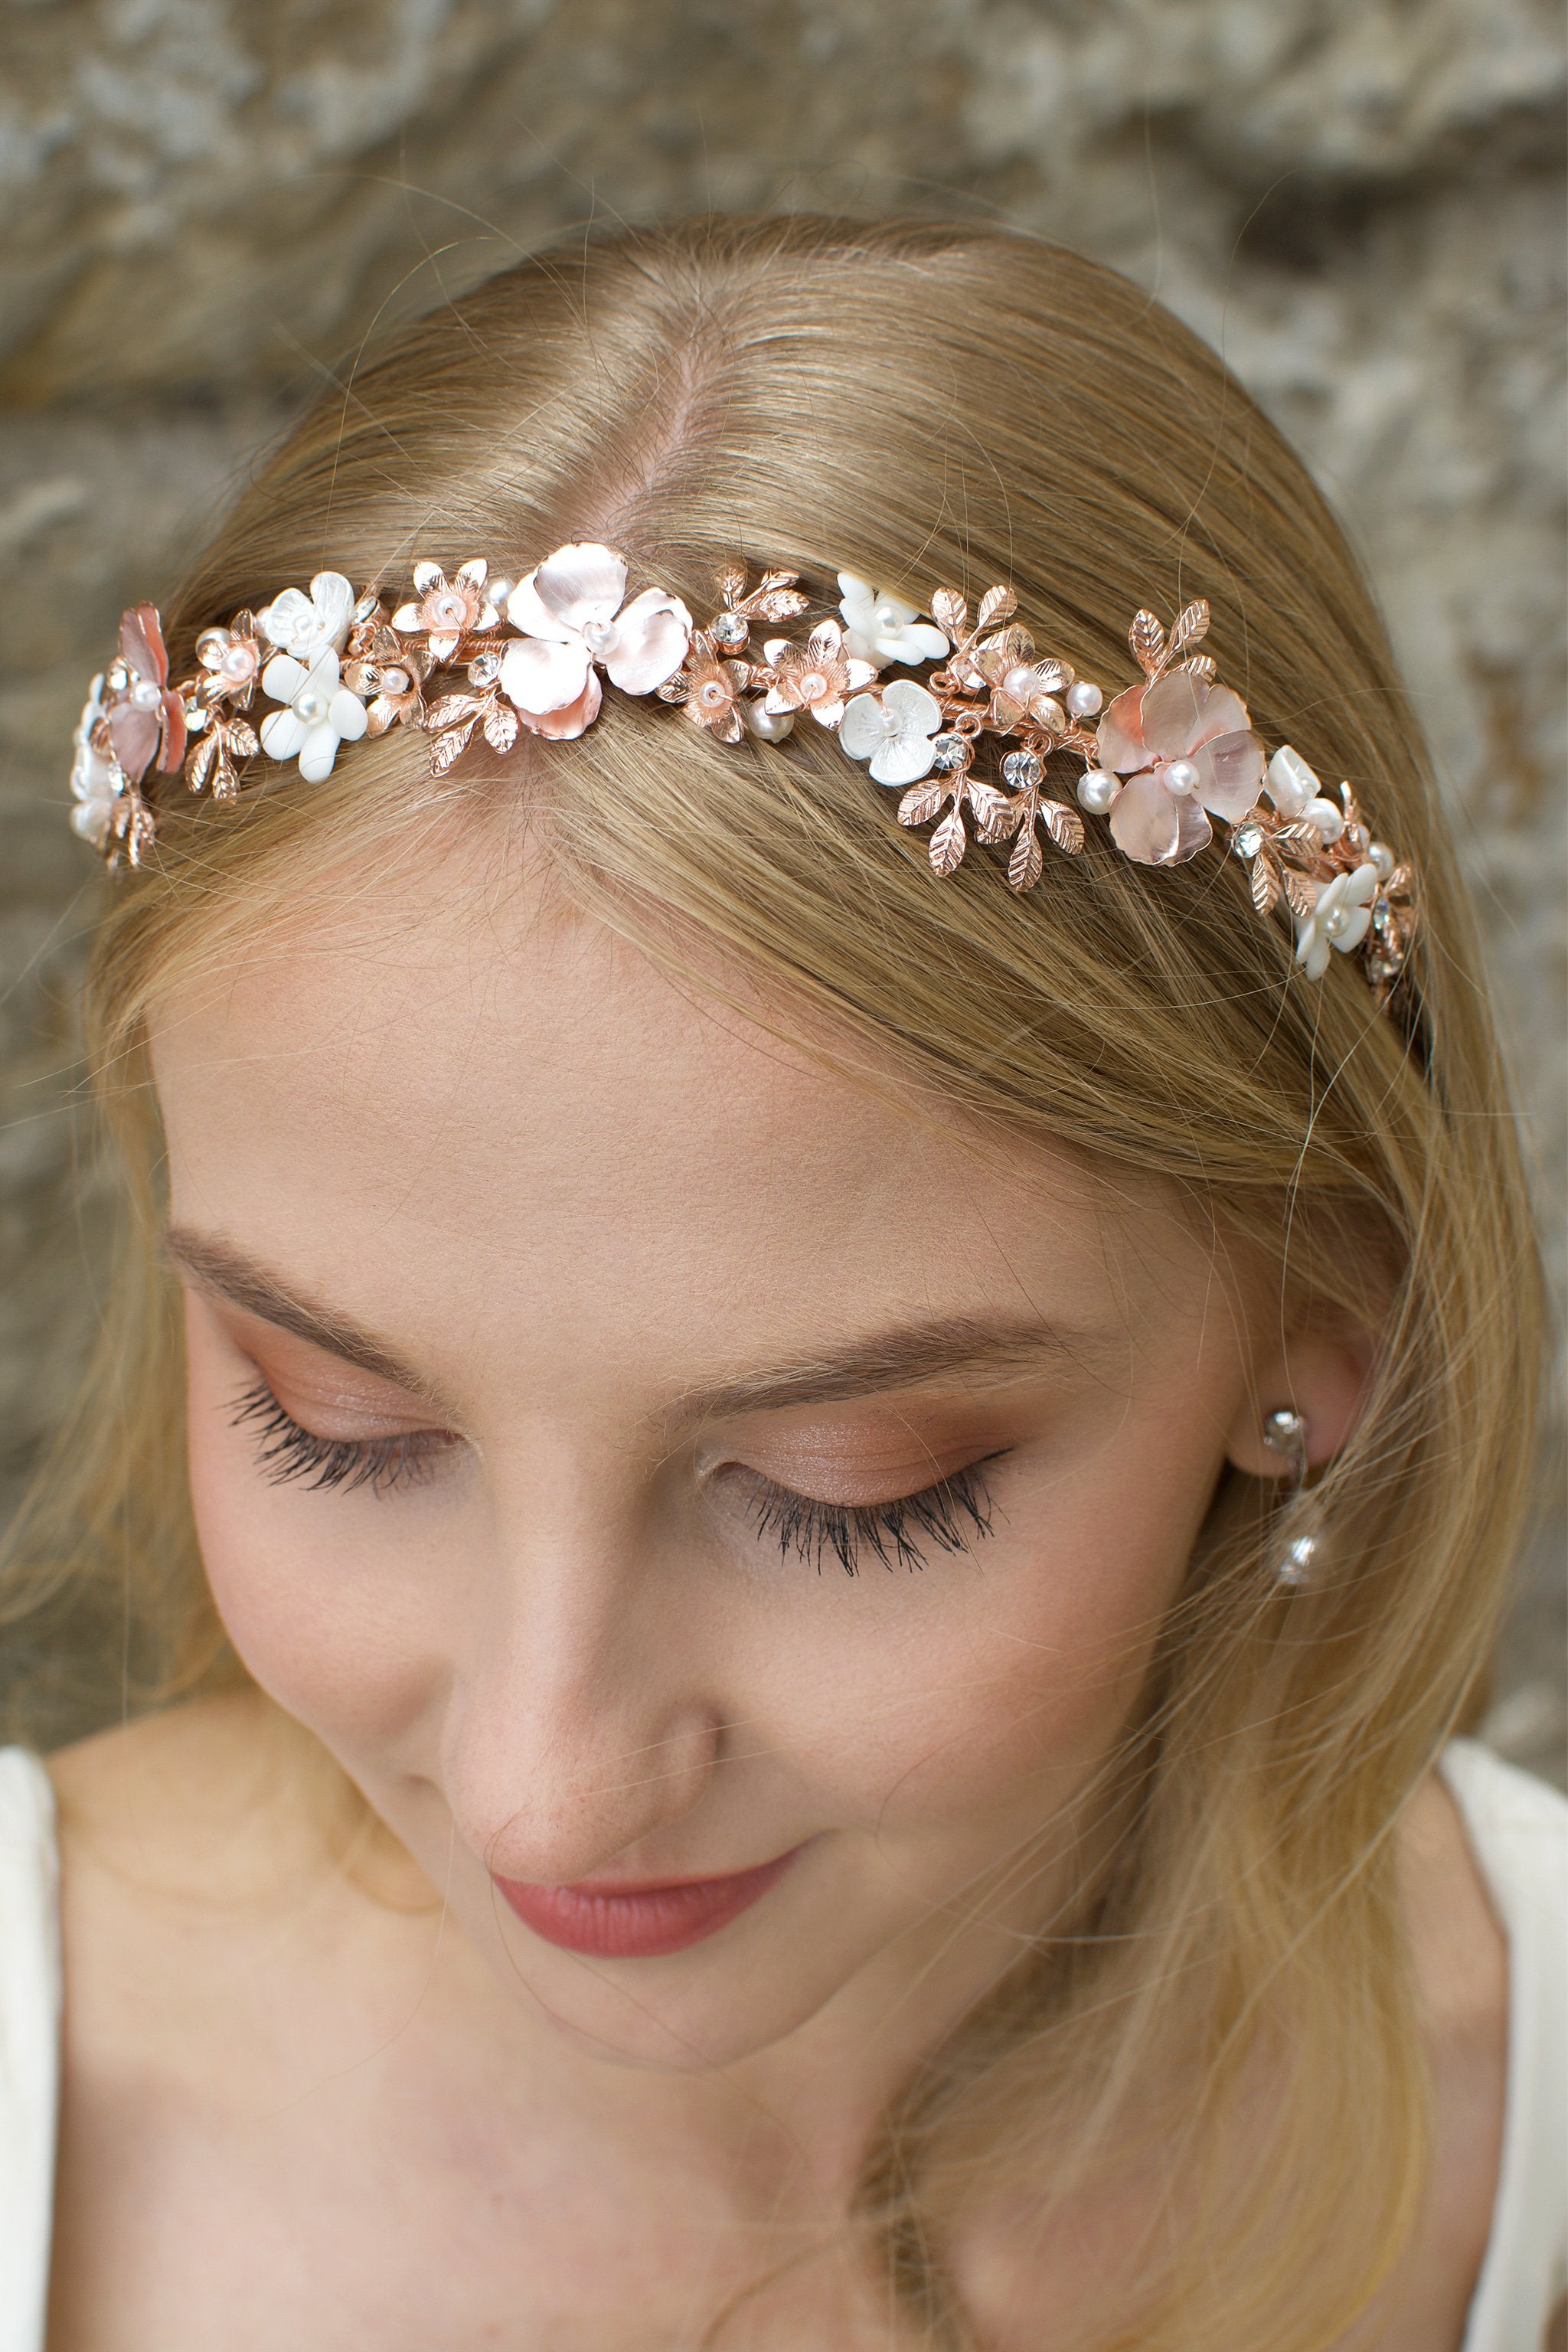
1323, 1377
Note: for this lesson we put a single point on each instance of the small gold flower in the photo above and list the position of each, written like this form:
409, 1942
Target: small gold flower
710, 689
815, 677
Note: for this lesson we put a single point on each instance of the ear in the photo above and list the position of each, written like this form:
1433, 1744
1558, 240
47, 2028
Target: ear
1324, 1375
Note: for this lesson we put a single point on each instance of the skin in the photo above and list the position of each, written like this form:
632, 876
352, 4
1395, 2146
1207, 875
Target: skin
618, 1268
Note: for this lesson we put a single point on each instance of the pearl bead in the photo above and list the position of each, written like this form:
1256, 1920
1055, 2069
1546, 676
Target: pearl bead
498, 591
311, 706
767, 726
144, 695
1382, 860
1097, 790
1179, 776
1336, 924
1084, 699
1329, 820
238, 664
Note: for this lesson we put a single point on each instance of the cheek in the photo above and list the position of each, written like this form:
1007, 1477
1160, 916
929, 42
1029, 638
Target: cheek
301, 1581
993, 1684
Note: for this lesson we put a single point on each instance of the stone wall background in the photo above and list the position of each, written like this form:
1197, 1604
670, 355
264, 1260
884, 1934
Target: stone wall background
207, 207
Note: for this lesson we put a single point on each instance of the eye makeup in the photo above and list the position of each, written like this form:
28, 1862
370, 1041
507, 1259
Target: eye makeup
287, 1452
951, 1514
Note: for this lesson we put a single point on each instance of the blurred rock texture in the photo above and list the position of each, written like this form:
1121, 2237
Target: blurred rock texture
208, 205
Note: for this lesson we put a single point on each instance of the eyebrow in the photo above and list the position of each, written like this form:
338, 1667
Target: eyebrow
216, 1266
947, 1348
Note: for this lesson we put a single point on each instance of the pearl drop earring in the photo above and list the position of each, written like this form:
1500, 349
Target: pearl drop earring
1285, 1434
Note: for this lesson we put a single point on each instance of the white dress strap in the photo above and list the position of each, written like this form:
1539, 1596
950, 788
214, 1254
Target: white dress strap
29, 2044
1518, 1830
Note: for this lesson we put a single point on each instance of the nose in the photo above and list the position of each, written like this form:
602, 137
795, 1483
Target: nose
580, 1726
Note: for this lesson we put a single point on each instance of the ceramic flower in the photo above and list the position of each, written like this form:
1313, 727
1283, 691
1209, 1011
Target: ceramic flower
448, 609
893, 729
1185, 748
881, 629
319, 713
571, 612
815, 677
97, 783
301, 625
1340, 919
1296, 792
145, 717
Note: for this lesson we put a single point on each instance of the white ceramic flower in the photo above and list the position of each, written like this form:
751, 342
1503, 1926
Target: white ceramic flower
882, 629
893, 729
319, 713
96, 782
1340, 919
572, 615
301, 625
1296, 792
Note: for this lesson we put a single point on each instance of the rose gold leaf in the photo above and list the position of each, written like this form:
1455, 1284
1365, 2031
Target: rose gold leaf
1191, 625
198, 767
777, 580
225, 783
1199, 665
948, 843
984, 799
1300, 836
922, 803
1066, 824
950, 612
242, 738
1147, 639
448, 710
1027, 861
1399, 883
997, 604
1000, 823
730, 581
1265, 885
674, 689
451, 745
1300, 894
500, 726
782, 603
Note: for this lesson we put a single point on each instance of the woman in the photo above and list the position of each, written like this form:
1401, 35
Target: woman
840, 1483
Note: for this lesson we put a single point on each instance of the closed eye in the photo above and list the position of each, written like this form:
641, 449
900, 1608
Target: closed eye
288, 1452
949, 1516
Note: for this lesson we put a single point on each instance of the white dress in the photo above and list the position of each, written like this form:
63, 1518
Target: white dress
1518, 1828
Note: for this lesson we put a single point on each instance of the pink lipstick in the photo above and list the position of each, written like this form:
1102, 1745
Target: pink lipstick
638, 1920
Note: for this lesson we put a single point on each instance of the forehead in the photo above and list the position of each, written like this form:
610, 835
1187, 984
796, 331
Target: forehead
456, 1115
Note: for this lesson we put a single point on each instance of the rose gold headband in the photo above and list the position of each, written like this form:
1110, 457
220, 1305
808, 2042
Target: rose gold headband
1158, 762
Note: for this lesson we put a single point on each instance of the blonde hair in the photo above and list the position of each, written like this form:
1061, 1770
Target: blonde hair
918, 403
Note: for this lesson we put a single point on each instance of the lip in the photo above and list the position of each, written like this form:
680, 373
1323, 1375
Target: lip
639, 1920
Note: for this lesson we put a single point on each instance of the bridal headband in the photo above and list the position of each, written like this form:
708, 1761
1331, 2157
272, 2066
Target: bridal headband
481, 656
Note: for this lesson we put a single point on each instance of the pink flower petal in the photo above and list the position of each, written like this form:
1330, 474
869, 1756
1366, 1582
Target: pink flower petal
525, 611
142, 643
540, 679
174, 731
134, 734
1230, 773
1120, 736
580, 582
650, 642
1172, 716
1154, 827
561, 725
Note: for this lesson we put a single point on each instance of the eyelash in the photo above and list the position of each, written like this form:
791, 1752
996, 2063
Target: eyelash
287, 1452
893, 1531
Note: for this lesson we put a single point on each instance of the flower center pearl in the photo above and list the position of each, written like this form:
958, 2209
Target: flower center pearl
1179, 776
1336, 924
144, 695
311, 705
597, 635
238, 662
813, 685
450, 612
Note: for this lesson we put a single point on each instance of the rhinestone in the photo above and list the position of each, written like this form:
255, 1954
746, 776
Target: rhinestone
729, 631
1022, 770
1248, 841
485, 669
948, 754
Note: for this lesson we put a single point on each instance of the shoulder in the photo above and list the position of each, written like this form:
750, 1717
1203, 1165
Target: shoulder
29, 2034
